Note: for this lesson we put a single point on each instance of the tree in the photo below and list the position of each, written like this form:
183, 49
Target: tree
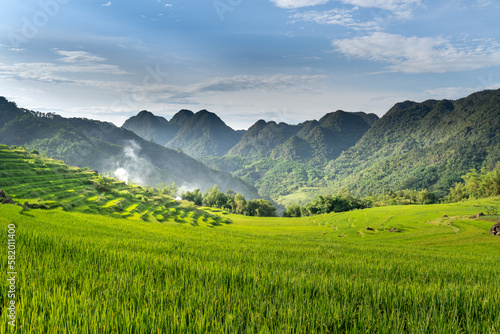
214, 198
293, 210
426, 197
327, 204
170, 190
193, 196
260, 208
239, 204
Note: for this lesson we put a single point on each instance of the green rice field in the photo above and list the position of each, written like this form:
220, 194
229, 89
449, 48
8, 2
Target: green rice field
83, 266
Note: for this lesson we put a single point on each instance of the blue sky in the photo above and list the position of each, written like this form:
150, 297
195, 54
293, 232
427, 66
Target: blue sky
282, 60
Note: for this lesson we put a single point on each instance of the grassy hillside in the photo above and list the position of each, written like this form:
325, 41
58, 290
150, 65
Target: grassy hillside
320, 274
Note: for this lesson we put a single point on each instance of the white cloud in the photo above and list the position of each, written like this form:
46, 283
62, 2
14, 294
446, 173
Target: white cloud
290, 4
150, 91
349, 15
49, 72
107, 4
248, 82
420, 54
458, 92
449, 92
216, 86
10, 48
78, 57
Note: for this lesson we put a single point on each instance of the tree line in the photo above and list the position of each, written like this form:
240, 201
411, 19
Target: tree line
230, 201
326, 204
476, 185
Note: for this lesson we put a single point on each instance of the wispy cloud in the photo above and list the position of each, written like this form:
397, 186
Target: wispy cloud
12, 49
342, 17
250, 82
76, 57
291, 4
239, 83
484, 3
107, 4
77, 62
49, 72
420, 54
348, 13
457, 92
74, 62
398, 6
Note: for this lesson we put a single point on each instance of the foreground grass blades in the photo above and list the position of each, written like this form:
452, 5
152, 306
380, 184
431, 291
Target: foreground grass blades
85, 273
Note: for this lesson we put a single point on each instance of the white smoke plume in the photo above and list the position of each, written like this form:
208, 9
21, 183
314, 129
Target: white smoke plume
122, 174
131, 168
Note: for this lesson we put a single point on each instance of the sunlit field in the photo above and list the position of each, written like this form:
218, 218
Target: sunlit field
86, 273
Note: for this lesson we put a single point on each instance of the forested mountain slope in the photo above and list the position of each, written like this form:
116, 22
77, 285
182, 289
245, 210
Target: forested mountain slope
103, 146
423, 145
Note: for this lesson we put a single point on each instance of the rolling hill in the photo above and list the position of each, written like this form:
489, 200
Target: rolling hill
415, 145
276, 158
427, 145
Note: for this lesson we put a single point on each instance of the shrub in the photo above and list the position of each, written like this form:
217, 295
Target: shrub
103, 183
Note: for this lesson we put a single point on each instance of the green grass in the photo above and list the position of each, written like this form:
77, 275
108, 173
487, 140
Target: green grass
276, 275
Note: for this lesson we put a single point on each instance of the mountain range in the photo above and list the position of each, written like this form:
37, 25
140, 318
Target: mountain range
204, 134
197, 134
413, 146
426, 145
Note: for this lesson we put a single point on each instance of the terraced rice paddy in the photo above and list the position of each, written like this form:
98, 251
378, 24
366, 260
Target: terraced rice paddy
48, 183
